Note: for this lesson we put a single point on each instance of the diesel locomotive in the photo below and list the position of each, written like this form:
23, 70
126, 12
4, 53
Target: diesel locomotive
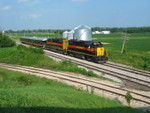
90, 50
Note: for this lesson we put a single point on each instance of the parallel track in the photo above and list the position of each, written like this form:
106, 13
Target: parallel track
125, 68
109, 69
142, 99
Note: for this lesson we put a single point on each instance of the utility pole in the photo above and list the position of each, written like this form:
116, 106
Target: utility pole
124, 42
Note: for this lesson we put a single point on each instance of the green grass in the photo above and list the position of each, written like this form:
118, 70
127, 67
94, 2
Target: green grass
21, 93
137, 49
112, 35
137, 41
22, 55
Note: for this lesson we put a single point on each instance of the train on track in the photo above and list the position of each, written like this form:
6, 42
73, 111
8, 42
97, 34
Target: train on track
81, 47
89, 50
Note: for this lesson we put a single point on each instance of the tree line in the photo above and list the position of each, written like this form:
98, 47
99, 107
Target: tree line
112, 30
37, 31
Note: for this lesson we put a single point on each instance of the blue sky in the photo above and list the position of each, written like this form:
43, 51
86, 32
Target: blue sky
67, 14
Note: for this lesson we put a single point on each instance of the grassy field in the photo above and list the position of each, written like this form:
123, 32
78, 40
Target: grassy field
138, 42
21, 93
137, 49
29, 56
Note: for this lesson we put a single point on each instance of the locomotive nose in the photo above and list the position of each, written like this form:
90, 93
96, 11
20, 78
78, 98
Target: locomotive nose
100, 51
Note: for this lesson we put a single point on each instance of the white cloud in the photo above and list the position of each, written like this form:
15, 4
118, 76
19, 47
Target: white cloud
80, 0
32, 16
6, 8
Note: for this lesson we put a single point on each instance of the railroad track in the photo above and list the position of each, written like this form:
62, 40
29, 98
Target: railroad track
140, 78
133, 78
129, 69
87, 83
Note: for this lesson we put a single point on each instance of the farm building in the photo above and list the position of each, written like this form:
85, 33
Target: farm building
101, 32
96, 32
106, 32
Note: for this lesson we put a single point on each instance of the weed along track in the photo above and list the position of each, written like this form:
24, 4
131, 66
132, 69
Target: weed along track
131, 77
96, 86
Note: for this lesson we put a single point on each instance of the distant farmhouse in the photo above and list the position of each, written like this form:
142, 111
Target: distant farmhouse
101, 32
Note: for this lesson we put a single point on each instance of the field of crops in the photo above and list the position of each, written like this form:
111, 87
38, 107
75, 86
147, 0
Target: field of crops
136, 41
137, 48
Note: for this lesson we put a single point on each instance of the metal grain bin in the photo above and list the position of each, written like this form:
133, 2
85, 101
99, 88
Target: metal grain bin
70, 35
65, 34
82, 32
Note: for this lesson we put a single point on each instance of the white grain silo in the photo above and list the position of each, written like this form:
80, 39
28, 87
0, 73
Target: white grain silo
65, 34
70, 35
82, 32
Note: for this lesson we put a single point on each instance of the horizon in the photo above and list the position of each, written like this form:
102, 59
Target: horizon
74, 27
67, 14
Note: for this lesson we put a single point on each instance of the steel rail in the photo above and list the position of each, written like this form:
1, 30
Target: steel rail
132, 70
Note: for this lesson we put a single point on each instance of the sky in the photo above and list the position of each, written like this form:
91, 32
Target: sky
67, 14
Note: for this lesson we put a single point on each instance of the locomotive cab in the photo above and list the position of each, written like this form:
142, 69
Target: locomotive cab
100, 51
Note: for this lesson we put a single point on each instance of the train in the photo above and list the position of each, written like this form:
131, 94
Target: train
77, 43
89, 50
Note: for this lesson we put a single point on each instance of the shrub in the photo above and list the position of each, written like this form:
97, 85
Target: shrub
128, 97
5, 41
25, 80
22, 48
36, 50
67, 63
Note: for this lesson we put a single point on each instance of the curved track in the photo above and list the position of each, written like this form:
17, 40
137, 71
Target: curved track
86, 83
